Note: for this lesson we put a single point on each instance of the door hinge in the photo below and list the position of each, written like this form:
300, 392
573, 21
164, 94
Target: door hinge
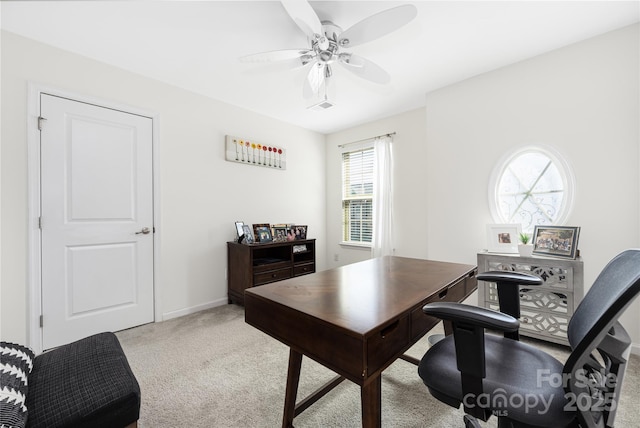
41, 120
40, 223
41, 321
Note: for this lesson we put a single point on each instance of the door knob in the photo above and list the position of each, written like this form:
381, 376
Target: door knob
145, 230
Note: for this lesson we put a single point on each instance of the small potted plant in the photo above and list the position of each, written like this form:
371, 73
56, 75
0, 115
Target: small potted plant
524, 248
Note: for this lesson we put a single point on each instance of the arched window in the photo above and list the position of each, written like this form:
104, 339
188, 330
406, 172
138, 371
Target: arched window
531, 186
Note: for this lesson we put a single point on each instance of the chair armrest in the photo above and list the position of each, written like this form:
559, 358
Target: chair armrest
477, 316
507, 284
469, 324
516, 278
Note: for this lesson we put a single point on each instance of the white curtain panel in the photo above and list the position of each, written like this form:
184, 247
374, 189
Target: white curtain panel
382, 243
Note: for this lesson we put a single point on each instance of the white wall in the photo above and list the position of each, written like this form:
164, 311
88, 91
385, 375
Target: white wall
582, 100
201, 194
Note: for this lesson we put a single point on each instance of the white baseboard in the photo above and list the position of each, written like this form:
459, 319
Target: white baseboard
194, 309
635, 349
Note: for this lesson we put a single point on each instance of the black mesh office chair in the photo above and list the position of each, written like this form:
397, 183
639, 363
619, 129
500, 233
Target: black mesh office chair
524, 386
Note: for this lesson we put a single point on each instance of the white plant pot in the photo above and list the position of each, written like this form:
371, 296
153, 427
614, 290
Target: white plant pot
525, 250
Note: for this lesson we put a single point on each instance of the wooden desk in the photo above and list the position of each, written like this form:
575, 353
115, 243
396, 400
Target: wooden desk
356, 320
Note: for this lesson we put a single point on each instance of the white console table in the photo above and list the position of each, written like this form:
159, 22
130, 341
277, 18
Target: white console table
545, 310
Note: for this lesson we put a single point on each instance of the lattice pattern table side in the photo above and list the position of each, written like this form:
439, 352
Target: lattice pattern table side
545, 310
552, 276
542, 300
541, 325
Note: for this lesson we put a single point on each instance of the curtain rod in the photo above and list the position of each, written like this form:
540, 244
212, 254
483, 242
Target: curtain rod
390, 134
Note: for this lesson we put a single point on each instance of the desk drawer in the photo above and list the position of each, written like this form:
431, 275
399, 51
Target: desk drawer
384, 344
271, 276
461, 289
421, 323
304, 269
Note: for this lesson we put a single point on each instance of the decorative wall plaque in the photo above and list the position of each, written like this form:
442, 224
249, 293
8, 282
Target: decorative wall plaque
241, 150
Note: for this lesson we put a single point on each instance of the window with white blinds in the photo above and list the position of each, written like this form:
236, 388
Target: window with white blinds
357, 196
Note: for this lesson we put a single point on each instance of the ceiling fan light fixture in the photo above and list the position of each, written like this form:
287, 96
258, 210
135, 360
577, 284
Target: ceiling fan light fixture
323, 42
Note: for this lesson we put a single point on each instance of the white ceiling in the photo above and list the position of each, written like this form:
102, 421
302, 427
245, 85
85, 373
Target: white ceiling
195, 45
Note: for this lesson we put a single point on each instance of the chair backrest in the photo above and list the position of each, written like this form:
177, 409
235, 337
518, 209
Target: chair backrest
594, 327
614, 289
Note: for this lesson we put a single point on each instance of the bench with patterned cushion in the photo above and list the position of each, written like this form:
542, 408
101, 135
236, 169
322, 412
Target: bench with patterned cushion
87, 383
16, 362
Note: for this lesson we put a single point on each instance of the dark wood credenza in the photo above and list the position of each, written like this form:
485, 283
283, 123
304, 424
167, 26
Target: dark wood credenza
250, 265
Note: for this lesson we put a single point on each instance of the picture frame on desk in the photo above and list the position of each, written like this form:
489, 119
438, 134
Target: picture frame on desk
255, 230
248, 234
298, 232
503, 238
556, 241
279, 232
263, 234
239, 229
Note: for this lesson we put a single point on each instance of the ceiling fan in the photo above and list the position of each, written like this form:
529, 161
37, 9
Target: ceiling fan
328, 43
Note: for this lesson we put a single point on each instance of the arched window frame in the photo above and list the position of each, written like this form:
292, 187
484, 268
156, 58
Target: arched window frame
564, 169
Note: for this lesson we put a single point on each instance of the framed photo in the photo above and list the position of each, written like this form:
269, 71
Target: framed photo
279, 232
248, 234
298, 232
263, 234
556, 241
503, 238
255, 230
239, 229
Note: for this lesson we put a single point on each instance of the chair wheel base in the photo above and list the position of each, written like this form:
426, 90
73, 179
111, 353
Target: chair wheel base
435, 338
471, 422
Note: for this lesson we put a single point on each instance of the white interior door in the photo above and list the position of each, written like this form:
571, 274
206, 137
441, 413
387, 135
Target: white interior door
96, 220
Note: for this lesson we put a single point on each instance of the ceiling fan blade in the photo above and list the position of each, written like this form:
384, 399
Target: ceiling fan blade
304, 16
378, 25
364, 68
314, 81
280, 55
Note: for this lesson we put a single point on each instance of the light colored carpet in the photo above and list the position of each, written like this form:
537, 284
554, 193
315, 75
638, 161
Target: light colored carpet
211, 369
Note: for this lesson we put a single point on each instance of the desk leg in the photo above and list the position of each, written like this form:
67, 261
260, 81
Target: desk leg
370, 396
293, 377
